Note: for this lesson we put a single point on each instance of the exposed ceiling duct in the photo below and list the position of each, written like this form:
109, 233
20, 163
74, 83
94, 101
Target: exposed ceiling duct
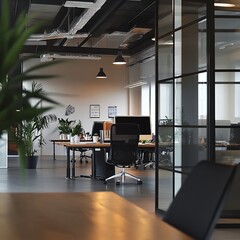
91, 9
86, 16
95, 26
51, 56
56, 34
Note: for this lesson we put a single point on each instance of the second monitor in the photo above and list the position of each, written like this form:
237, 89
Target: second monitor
142, 121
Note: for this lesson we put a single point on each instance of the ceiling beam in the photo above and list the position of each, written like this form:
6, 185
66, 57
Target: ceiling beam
70, 50
48, 2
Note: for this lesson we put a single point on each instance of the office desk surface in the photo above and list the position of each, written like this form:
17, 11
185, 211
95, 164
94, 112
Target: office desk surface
86, 216
100, 145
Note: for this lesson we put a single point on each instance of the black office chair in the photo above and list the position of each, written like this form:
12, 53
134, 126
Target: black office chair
198, 204
123, 151
83, 156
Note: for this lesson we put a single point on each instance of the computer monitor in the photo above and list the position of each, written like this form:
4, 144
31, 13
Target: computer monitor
142, 121
97, 126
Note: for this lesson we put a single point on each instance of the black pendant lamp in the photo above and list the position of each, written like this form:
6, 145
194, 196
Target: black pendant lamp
101, 74
119, 60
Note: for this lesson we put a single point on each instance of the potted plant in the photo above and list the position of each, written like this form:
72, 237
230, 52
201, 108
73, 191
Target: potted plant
77, 131
13, 98
95, 137
29, 132
65, 127
31, 135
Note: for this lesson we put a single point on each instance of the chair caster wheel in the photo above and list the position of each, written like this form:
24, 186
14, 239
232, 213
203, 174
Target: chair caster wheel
117, 183
139, 182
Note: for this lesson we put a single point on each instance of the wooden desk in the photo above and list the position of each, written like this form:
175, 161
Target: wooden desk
73, 147
86, 216
54, 141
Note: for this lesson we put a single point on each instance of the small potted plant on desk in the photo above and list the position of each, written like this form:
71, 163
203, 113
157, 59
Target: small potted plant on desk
65, 126
95, 137
77, 133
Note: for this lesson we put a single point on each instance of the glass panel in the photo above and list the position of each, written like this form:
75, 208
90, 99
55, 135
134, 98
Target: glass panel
193, 148
231, 12
190, 99
165, 100
165, 18
165, 144
227, 38
233, 77
227, 49
178, 101
222, 136
192, 10
178, 148
228, 144
190, 49
165, 61
227, 102
165, 189
178, 182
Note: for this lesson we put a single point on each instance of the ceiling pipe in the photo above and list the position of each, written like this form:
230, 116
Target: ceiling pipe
113, 7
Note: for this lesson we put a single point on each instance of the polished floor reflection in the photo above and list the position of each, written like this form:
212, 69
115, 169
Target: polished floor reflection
50, 177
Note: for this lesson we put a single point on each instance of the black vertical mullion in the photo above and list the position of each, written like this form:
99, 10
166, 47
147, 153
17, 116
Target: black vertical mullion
210, 82
156, 112
173, 84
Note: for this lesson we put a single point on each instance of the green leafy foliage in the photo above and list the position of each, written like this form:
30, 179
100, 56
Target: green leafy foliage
65, 125
16, 103
77, 129
30, 131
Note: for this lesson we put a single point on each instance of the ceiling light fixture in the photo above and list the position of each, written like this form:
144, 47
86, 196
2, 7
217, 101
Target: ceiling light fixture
136, 84
119, 60
101, 74
217, 4
71, 4
51, 56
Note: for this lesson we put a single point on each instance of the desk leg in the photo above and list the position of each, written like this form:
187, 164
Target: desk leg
68, 163
73, 164
93, 164
54, 156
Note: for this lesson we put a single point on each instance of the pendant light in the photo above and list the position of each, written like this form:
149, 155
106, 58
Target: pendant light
119, 60
101, 74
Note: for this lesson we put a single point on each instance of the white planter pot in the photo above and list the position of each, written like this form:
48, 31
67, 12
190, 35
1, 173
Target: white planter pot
95, 139
72, 140
76, 139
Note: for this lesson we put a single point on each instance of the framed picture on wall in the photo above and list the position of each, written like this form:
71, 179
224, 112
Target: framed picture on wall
112, 111
94, 110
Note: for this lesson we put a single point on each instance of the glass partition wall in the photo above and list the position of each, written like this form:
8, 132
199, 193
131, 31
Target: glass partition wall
198, 91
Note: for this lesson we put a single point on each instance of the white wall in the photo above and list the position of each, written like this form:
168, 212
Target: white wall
78, 86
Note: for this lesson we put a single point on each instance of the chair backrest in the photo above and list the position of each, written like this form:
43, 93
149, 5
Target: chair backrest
199, 202
124, 143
